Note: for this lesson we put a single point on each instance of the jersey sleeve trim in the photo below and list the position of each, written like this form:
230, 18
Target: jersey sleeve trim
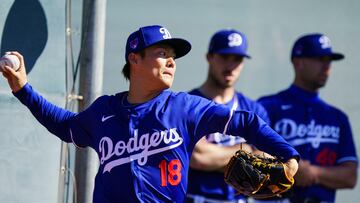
348, 158
233, 108
73, 141
227, 123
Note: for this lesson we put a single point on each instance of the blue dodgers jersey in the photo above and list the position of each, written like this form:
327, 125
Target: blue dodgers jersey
212, 184
318, 131
144, 149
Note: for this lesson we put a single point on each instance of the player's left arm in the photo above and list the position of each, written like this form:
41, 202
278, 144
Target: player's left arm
341, 175
334, 177
344, 173
255, 131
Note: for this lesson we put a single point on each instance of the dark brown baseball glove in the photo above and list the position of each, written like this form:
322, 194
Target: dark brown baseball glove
257, 176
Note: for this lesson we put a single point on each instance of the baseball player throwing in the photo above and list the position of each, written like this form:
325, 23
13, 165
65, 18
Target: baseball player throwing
144, 137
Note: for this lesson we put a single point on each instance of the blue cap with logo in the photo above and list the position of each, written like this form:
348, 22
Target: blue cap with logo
314, 45
155, 34
229, 41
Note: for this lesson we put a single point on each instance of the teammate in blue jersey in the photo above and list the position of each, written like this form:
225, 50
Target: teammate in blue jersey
320, 132
226, 54
144, 137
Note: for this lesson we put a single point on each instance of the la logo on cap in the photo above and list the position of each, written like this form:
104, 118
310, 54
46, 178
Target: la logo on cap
165, 32
235, 40
325, 42
314, 45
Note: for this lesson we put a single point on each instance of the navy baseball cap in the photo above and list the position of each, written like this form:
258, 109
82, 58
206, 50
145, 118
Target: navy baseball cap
155, 34
314, 45
229, 41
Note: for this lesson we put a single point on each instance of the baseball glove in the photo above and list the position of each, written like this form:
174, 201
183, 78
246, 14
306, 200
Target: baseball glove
257, 176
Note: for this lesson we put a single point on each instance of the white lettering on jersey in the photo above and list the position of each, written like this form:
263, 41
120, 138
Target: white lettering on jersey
298, 134
165, 32
141, 144
235, 40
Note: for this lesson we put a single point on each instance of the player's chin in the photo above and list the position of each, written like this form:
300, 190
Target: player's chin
321, 82
228, 83
167, 83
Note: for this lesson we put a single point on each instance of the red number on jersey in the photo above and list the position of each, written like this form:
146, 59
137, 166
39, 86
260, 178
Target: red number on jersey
170, 172
326, 157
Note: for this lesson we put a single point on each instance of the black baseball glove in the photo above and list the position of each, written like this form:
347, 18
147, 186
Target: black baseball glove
257, 176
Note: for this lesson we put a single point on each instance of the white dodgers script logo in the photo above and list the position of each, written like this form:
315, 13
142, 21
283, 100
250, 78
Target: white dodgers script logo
165, 32
235, 40
143, 146
298, 134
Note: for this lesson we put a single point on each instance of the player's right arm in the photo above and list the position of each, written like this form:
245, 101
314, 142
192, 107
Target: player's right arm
16, 79
208, 156
211, 157
52, 117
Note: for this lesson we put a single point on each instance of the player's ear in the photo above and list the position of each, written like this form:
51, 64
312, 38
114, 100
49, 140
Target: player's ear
296, 62
208, 56
133, 58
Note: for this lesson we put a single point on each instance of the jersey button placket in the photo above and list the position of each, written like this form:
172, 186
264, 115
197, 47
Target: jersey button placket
128, 113
309, 116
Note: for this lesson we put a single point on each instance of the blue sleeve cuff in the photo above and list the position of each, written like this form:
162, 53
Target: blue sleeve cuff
21, 94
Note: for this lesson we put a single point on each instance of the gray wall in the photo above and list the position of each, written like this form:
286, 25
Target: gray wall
29, 155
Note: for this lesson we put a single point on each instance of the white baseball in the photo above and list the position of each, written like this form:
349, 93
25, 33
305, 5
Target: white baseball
9, 60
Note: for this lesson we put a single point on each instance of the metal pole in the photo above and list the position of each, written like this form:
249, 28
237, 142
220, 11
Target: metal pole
63, 178
91, 80
62, 175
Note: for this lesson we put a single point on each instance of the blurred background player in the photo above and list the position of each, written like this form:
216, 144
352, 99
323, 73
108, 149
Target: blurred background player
320, 132
144, 137
226, 57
